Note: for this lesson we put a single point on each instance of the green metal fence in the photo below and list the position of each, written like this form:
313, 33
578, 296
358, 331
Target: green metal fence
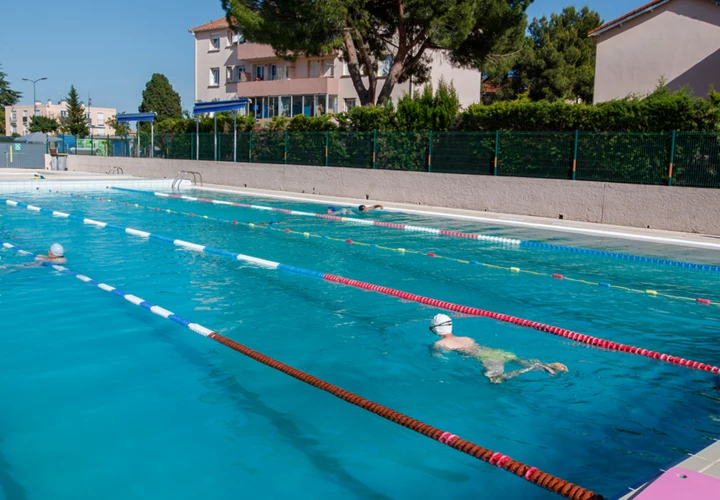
672, 158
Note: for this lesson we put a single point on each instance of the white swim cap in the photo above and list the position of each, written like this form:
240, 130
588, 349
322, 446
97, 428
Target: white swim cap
57, 250
441, 324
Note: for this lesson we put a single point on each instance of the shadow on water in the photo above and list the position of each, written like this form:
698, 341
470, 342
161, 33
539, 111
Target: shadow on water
250, 402
11, 489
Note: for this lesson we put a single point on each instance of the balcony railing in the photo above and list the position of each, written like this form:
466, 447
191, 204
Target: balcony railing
287, 87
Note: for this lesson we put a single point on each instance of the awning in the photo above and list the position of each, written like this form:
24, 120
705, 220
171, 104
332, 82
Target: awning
215, 106
136, 117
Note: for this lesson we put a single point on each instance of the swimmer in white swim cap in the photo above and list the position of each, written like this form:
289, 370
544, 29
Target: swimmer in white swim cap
493, 360
56, 255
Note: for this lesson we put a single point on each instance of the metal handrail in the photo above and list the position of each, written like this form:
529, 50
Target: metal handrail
115, 170
184, 175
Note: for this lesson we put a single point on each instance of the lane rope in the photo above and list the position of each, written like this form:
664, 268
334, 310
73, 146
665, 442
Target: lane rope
444, 232
531, 474
306, 234
473, 311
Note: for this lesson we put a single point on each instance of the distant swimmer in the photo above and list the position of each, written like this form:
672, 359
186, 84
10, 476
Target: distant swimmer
349, 211
271, 223
56, 255
493, 360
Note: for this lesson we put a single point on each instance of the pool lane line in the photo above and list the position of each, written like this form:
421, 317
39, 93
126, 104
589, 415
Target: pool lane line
532, 474
305, 234
512, 242
472, 311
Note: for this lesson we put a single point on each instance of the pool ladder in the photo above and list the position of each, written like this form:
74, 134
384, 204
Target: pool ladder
115, 170
184, 175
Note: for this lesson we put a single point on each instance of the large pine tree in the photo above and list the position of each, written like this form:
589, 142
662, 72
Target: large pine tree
8, 97
75, 122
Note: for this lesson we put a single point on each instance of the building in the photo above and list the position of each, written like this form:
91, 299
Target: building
17, 118
229, 67
677, 41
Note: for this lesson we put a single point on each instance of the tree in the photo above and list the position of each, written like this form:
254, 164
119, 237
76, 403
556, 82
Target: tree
8, 97
160, 97
559, 60
120, 128
397, 35
75, 122
43, 124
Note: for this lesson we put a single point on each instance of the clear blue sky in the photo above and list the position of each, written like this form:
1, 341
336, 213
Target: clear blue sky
111, 49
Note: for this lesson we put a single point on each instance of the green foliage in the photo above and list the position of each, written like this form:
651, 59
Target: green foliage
660, 111
43, 124
369, 31
75, 122
160, 97
120, 128
8, 97
365, 118
428, 111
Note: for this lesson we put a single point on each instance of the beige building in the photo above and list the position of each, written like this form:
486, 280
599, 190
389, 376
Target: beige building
677, 41
227, 67
17, 118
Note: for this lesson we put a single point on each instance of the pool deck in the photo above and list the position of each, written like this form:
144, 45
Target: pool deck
705, 461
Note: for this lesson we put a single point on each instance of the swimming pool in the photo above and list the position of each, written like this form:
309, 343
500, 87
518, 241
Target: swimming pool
104, 400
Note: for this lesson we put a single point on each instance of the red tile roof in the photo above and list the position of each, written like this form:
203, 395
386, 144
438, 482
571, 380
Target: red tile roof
620, 19
212, 25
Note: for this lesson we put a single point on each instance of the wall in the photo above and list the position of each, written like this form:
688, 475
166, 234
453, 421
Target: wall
206, 58
678, 41
658, 207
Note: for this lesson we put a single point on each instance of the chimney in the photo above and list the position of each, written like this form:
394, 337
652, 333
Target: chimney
49, 102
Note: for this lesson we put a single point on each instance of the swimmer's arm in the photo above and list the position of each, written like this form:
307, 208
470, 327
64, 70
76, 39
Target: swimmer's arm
374, 207
502, 377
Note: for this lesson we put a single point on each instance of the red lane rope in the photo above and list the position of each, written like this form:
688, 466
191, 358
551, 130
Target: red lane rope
578, 337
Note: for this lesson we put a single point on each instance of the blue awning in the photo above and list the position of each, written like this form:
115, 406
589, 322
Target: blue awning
136, 117
215, 106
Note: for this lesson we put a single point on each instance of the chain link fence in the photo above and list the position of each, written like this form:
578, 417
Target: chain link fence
672, 158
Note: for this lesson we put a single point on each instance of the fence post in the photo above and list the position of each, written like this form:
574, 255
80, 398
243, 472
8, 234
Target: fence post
374, 147
76, 144
286, 147
327, 145
575, 151
430, 151
497, 149
672, 159
92, 150
167, 145
250, 148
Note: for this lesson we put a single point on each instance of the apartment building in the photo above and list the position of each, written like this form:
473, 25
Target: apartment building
229, 67
17, 118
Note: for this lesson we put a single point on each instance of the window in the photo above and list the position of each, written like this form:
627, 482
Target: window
14, 129
14, 115
329, 67
285, 105
350, 104
214, 41
88, 118
297, 105
229, 73
239, 70
345, 70
384, 68
36, 112
63, 113
285, 73
314, 69
237, 38
259, 72
273, 72
101, 118
333, 104
101, 131
25, 130
214, 77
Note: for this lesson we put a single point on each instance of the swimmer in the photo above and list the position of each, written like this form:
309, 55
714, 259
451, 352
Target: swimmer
341, 211
56, 255
365, 208
271, 223
493, 360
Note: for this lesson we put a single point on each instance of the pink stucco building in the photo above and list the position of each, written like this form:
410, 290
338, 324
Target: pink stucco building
677, 41
228, 67
17, 117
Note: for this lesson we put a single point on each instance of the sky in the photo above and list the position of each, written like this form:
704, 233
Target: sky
109, 50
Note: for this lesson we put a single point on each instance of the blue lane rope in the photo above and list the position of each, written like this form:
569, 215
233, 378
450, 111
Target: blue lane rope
518, 242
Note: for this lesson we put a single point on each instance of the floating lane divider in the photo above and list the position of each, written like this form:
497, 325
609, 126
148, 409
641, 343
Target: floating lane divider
472, 311
506, 241
305, 234
532, 474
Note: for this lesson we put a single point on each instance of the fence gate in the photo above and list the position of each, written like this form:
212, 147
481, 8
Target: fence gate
22, 155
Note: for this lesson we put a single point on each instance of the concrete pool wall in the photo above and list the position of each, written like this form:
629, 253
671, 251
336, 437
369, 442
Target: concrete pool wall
683, 209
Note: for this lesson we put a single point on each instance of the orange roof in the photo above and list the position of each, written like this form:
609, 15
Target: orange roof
648, 7
212, 25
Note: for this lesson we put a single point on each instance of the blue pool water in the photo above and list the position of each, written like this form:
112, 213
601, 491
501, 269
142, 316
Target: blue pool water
100, 399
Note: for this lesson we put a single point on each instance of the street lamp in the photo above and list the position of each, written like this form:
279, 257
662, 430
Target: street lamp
34, 98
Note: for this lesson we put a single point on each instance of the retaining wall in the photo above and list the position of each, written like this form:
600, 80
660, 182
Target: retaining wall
659, 207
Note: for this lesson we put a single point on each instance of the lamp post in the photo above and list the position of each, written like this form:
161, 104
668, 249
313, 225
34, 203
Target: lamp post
34, 82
